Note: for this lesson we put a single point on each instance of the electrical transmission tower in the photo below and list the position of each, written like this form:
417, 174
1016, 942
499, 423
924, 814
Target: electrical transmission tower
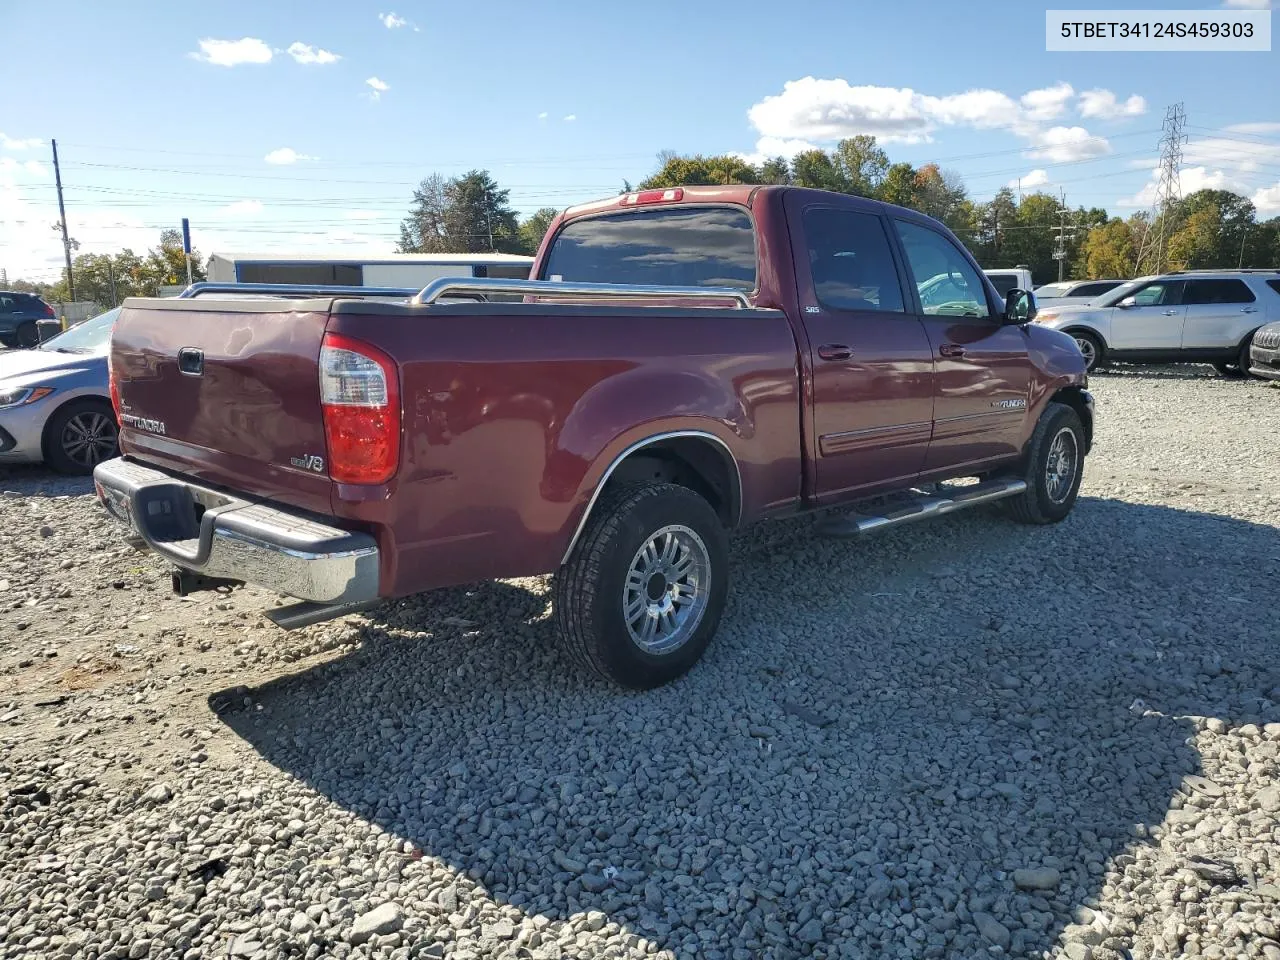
1169, 190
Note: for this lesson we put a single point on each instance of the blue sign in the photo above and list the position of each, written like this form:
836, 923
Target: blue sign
186, 235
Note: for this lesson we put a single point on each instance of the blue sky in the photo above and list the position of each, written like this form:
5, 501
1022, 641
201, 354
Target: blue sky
304, 126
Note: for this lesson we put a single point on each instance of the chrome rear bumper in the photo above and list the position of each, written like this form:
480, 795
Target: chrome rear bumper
224, 536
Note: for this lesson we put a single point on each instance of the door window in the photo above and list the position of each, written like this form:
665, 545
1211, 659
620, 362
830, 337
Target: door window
850, 261
948, 285
1218, 291
1160, 293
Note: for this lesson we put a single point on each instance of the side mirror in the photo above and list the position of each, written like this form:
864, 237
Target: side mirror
1019, 306
1126, 303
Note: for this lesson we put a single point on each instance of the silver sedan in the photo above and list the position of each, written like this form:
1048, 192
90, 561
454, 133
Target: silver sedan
55, 404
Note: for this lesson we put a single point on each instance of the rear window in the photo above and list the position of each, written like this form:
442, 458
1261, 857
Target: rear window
1053, 290
1218, 291
1003, 282
1094, 289
674, 246
1274, 285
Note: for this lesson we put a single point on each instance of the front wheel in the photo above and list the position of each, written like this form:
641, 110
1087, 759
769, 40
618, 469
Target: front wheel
641, 596
1245, 361
80, 435
28, 336
1091, 348
1055, 467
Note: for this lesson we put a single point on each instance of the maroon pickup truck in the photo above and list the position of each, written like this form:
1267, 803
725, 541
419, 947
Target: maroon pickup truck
684, 362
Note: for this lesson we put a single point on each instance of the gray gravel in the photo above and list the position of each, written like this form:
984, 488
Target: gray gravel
963, 739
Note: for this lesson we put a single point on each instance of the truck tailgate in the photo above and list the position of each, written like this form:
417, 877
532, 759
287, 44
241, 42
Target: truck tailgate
226, 392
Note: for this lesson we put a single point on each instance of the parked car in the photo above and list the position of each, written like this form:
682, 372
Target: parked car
18, 315
611, 429
54, 400
1073, 292
1264, 352
1196, 316
1012, 278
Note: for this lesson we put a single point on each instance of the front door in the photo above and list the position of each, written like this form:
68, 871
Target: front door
872, 366
1151, 319
982, 371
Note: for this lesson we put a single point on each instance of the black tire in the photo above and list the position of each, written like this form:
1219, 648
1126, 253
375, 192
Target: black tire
1245, 361
80, 435
591, 589
28, 335
1092, 360
1227, 370
1040, 503
9, 340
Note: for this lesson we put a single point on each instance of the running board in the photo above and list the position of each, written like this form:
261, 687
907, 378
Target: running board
304, 614
921, 508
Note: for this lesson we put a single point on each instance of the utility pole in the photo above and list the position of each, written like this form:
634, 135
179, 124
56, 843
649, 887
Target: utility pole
1169, 190
1063, 233
62, 215
111, 276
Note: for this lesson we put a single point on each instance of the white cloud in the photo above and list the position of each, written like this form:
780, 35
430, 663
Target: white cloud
1048, 103
1248, 4
11, 143
570, 118
286, 155
378, 87
1067, 145
1103, 105
1267, 200
1190, 179
392, 21
822, 111
239, 208
305, 53
769, 147
34, 167
1254, 128
542, 115
1230, 153
1031, 180
230, 53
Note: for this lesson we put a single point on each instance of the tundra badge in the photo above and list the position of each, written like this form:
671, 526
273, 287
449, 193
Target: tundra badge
309, 462
142, 423
1009, 404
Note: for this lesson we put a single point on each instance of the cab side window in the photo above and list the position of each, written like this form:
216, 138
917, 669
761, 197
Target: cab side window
948, 285
850, 261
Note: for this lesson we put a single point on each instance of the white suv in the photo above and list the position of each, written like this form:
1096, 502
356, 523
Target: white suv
1190, 316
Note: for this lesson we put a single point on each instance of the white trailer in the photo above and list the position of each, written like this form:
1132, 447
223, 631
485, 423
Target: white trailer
392, 270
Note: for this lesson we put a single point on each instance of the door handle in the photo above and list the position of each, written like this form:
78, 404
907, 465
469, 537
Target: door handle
1170, 313
951, 350
835, 351
1248, 309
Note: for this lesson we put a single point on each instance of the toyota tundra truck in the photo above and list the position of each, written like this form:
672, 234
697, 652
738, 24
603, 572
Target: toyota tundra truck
682, 362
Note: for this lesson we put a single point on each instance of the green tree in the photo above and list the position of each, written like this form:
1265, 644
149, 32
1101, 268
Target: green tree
776, 171
677, 171
898, 184
863, 163
423, 230
534, 229
819, 170
1108, 251
466, 214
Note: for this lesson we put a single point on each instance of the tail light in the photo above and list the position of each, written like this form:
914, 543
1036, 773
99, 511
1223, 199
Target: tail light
360, 396
48, 310
651, 196
113, 383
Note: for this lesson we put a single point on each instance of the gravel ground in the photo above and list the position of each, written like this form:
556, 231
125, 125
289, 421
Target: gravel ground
963, 739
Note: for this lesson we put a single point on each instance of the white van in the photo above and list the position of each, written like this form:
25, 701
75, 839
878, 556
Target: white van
1013, 278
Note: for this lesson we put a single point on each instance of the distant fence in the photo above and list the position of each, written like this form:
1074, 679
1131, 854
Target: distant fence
76, 311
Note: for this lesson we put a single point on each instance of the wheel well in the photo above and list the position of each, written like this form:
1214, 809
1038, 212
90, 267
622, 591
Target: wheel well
86, 399
701, 465
1089, 330
1073, 398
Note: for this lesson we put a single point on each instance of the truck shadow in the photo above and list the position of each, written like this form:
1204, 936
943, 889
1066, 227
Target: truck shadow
882, 733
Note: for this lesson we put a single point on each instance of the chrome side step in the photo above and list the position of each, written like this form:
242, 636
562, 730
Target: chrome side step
305, 613
920, 508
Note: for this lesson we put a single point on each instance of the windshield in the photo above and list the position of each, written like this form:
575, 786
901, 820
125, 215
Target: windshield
1112, 297
91, 336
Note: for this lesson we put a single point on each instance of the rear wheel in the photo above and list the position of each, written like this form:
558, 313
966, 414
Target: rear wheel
27, 335
1091, 348
80, 435
1054, 469
641, 596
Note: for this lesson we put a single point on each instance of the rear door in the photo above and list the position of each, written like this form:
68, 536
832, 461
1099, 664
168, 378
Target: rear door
872, 365
981, 366
1219, 313
1152, 321
226, 391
